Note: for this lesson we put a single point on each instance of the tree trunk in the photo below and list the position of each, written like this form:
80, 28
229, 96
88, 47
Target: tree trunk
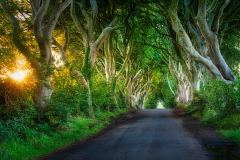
210, 32
185, 42
214, 50
90, 101
113, 92
87, 74
196, 79
184, 93
44, 92
219, 61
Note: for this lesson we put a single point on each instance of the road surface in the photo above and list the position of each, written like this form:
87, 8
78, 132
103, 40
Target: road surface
151, 135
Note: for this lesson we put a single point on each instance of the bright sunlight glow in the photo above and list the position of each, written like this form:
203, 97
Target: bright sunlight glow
58, 62
18, 75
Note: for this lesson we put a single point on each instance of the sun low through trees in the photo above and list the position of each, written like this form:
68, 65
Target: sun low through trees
67, 67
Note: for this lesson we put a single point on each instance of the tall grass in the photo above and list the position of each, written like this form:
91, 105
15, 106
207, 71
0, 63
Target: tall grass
77, 128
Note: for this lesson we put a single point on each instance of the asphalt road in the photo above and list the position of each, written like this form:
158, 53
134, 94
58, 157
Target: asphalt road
152, 135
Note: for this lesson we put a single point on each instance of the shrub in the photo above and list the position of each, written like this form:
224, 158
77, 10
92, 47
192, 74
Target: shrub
209, 114
4, 154
232, 134
103, 99
169, 99
236, 92
21, 123
21, 126
65, 102
218, 99
230, 122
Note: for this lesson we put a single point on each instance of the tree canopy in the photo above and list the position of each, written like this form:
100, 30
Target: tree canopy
64, 58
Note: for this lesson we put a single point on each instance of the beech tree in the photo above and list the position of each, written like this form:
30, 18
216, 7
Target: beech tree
43, 27
112, 70
84, 14
45, 15
207, 27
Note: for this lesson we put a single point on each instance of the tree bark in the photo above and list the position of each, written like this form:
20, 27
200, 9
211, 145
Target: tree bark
90, 100
43, 27
184, 84
185, 42
211, 38
86, 26
87, 71
44, 92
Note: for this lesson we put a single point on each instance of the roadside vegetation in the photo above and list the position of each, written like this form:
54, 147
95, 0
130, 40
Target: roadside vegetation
217, 105
24, 141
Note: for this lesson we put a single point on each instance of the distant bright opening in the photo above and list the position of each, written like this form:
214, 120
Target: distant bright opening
160, 105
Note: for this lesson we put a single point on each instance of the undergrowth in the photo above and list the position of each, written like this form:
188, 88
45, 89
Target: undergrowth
42, 143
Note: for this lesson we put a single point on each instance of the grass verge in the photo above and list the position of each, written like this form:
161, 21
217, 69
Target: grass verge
227, 126
77, 128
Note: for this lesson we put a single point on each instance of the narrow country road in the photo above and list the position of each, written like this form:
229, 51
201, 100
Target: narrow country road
152, 135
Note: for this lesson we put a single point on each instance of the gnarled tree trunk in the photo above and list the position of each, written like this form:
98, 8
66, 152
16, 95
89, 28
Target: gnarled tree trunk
211, 37
43, 26
85, 22
44, 92
185, 42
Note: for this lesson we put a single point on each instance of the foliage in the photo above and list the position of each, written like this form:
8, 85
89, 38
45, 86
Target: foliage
168, 96
64, 103
103, 99
40, 143
231, 121
217, 104
152, 101
218, 98
231, 134
102, 54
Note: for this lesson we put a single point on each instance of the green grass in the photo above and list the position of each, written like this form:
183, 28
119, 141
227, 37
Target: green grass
229, 127
231, 134
77, 128
230, 122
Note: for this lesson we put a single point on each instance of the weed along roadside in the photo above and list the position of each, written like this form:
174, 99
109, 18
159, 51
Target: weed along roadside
111, 122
